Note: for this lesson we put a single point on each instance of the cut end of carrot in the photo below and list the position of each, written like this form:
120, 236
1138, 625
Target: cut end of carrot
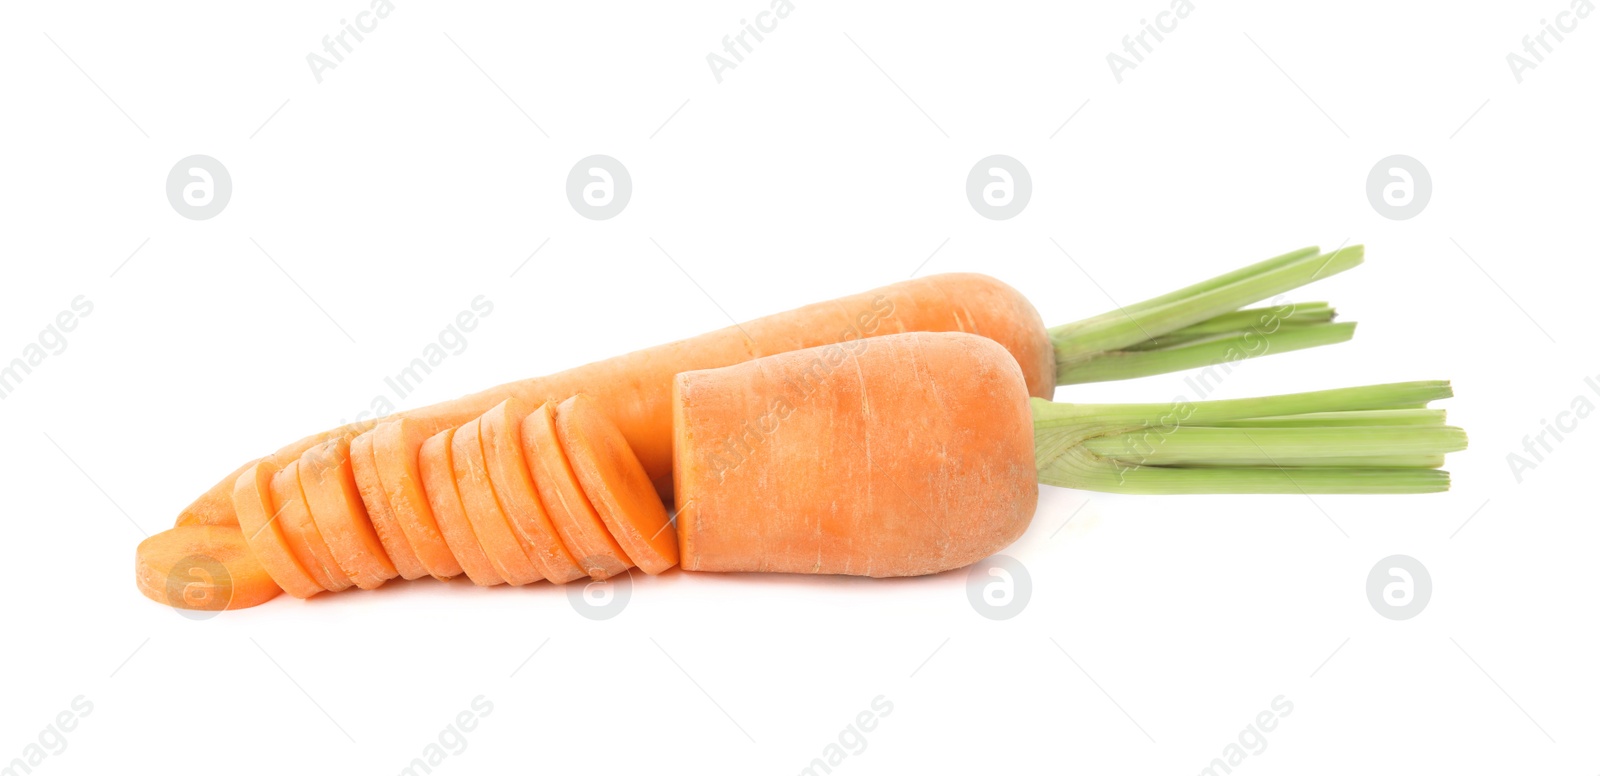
264, 532
202, 567
616, 484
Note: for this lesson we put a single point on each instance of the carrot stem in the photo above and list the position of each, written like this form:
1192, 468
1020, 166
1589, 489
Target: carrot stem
1367, 439
1204, 324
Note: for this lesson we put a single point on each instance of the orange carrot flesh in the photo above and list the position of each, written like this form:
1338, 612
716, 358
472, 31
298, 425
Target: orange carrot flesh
574, 518
506, 550
397, 449
364, 463
635, 390
203, 567
329, 484
616, 484
513, 487
263, 532
436, 470
301, 531
912, 455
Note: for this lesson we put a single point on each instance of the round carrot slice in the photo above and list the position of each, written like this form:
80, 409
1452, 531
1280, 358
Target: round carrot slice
503, 546
574, 518
396, 446
616, 484
301, 531
513, 485
335, 502
207, 567
363, 462
444, 500
263, 532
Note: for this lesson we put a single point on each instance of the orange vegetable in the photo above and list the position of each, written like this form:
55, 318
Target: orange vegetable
335, 503
910, 454
263, 531
396, 448
202, 567
305, 539
513, 486
495, 535
364, 463
616, 484
574, 518
438, 479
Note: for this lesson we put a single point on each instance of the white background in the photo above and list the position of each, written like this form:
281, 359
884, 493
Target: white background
406, 183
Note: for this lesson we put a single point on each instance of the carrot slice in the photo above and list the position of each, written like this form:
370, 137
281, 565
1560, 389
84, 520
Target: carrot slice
202, 567
570, 511
434, 468
335, 503
263, 531
513, 486
616, 484
364, 463
503, 546
396, 447
301, 531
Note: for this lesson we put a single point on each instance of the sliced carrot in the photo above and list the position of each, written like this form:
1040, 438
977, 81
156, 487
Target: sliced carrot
363, 462
202, 567
574, 518
396, 447
503, 546
335, 502
264, 533
301, 531
513, 485
435, 470
616, 484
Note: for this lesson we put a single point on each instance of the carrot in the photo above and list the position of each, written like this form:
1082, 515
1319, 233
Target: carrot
914, 457
616, 484
305, 539
513, 486
335, 503
364, 463
444, 499
264, 533
634, 390
506, 549
202, 567
396, 446
574, 518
